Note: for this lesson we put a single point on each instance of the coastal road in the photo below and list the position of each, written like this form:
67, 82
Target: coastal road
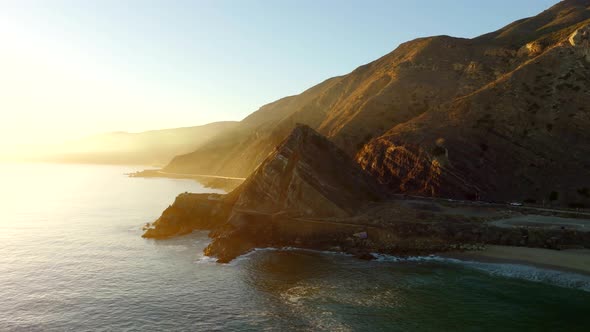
549, 222
526, 207
307, 220
546, 222
489, 204
200, 175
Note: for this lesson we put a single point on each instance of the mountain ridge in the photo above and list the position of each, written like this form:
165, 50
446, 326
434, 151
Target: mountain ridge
436, 79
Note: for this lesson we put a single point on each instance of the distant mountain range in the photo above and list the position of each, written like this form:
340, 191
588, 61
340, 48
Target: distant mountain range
504, 116
155, 147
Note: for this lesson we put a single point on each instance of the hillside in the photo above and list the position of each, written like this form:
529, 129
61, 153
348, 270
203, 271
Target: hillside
155, 147
523, 136
503, 116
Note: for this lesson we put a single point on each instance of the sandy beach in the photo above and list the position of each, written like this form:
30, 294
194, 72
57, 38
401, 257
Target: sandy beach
574, 260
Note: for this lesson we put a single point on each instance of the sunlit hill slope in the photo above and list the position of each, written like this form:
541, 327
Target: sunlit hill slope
499, 117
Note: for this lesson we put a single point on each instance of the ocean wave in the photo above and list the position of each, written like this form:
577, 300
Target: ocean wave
206, 260
506, 270
249, 254
254, 251
536, 274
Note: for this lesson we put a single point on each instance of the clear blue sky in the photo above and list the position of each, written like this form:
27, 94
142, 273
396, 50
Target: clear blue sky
81, 67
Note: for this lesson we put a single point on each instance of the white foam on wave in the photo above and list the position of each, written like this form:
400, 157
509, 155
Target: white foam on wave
325, 252
249, 254
536, 274
257, 250
430, 258
507, 270
206, 260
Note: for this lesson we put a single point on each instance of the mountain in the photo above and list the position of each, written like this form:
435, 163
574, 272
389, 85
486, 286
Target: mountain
524, 135
156, 147
503, 116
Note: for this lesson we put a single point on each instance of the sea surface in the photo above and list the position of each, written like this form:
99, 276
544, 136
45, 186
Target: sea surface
72, 259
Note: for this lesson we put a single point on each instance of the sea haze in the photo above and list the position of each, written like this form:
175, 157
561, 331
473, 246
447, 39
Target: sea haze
72, 258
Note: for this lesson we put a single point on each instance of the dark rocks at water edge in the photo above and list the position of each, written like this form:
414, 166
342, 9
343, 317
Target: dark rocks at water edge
188, 213
309, 194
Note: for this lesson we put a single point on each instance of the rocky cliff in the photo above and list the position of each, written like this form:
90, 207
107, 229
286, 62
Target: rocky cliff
308, 193
189, 212
305, 176
503, 116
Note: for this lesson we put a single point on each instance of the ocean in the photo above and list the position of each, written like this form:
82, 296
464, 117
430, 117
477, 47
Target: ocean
72, 259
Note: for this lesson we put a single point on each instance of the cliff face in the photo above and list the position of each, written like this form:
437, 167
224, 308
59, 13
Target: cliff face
307, 175
190, 212
492, 117
524, 136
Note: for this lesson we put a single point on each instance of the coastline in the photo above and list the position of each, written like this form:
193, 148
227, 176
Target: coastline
209, 181
570, 260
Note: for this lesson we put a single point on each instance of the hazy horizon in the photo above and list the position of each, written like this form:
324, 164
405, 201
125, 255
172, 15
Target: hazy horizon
72, 70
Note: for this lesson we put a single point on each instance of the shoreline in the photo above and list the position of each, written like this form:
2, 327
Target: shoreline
570, 260
209, 181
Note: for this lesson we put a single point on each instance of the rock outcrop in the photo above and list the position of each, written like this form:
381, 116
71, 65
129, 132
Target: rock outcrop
580, 40
305, 176
190, 212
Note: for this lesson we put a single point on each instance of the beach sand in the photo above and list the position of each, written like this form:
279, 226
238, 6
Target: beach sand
574, 260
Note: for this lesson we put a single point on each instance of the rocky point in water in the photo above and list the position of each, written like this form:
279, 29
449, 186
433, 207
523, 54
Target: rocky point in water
306, 176
308, 193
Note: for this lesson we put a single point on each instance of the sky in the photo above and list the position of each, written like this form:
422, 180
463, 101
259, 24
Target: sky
75, 68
